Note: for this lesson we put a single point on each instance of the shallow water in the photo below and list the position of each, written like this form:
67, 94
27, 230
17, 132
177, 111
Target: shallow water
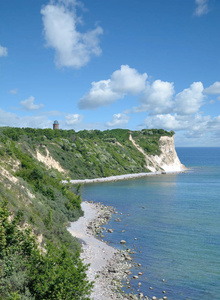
175, 218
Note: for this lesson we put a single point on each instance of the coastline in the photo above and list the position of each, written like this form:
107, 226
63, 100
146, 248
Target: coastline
108, 266
122, 177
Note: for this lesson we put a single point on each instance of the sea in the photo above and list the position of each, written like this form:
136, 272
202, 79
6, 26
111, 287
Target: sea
172, 224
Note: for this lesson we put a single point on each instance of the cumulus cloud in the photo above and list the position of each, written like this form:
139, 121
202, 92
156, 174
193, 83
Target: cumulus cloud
118, 120
190, 100
124, 81
100, 94
157, 97
128, 80
166, 121
213, 89
72, 48
194, 125
73, 119
29, 105
3, 51
201, 7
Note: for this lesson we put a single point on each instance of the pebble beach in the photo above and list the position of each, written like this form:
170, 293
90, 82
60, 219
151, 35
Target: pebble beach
108, 266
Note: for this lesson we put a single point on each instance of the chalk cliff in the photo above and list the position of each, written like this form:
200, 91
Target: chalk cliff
167, 161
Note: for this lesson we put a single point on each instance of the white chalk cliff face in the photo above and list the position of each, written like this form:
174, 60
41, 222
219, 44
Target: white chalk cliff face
167, 161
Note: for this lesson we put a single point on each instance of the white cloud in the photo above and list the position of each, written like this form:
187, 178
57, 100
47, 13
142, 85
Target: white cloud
157, 97
72, 48
122, 82
100, 94
13, 120
3, 51
201, 7
118, 120
73, 119
193, 125
29, 105
190, 100
166, 121
128, 80
213, 89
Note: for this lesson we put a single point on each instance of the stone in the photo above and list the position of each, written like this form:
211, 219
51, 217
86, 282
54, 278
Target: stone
140, 273
123, 242
135, 277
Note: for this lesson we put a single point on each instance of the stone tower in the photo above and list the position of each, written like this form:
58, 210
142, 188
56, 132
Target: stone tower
55, 125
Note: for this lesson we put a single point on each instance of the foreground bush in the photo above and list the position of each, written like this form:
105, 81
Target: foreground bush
27, 272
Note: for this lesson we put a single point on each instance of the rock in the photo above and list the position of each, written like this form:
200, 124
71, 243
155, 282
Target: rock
154, 298
164, 298
163, 280
135, 277
135, 239
110, 230
141, 295
150, 288
140, 273
139, 283
123, 242
128, 258
164, 292
111, 270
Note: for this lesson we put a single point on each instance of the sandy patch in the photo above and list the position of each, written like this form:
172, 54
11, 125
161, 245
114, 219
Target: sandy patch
49, 161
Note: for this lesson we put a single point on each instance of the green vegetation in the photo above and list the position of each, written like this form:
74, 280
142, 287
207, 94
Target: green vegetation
26, 272
38, 201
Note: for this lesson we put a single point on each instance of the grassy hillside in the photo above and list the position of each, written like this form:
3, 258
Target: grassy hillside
33, 162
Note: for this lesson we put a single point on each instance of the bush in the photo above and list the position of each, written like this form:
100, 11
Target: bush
26, 272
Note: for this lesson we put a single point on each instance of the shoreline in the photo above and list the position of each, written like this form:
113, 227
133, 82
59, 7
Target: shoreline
108, 266
122, 177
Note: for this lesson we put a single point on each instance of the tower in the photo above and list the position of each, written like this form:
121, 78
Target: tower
55, 125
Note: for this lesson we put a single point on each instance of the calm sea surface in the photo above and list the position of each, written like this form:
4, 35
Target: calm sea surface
176, 220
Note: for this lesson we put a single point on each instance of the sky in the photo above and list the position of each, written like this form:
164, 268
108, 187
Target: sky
105, 64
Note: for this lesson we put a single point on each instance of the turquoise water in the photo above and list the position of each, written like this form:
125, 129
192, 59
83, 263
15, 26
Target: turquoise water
176, 220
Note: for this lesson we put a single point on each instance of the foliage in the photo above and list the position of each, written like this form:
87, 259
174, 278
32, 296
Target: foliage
26, 272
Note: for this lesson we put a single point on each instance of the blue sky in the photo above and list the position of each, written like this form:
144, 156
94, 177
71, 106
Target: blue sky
106, 64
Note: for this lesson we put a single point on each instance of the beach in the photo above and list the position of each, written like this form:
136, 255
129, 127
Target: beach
108, 266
